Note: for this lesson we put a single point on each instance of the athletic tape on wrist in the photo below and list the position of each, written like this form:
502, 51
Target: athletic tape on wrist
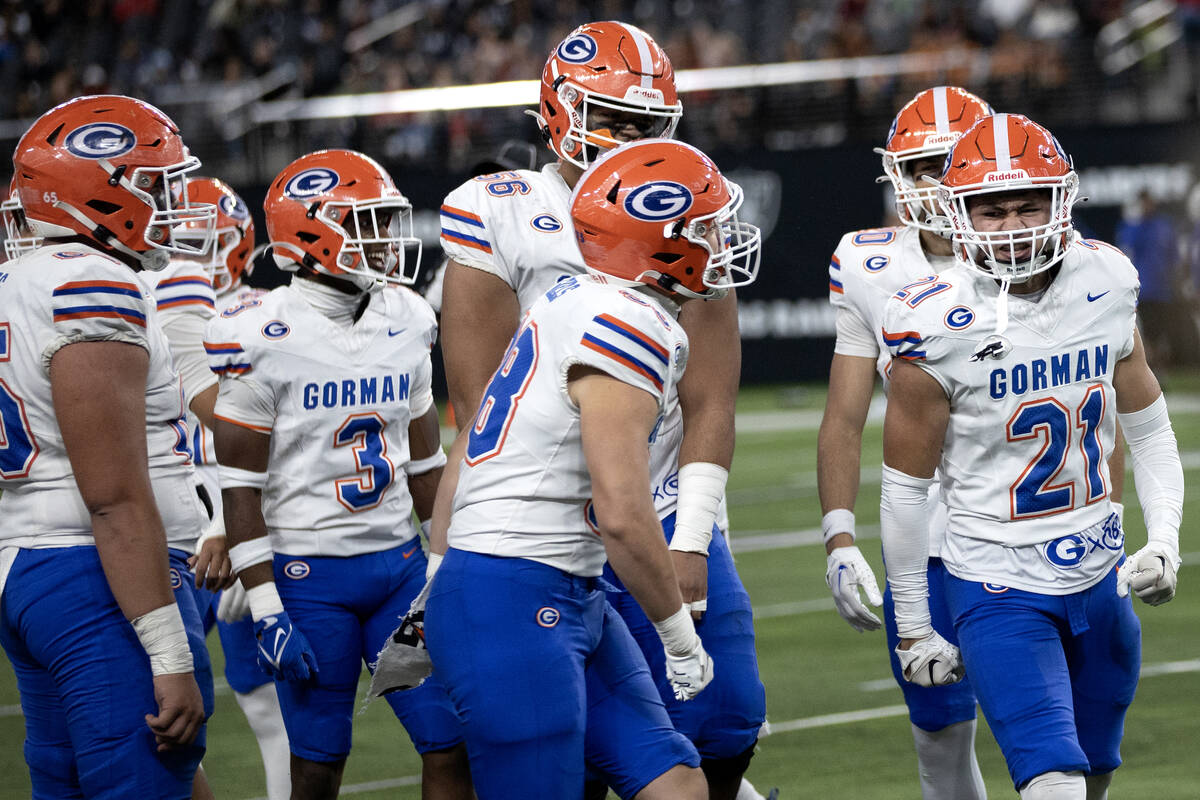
247, 554
231, 477
164, 639
422, 465
701, 487
264, 601
840, 520
431, 567
678, 632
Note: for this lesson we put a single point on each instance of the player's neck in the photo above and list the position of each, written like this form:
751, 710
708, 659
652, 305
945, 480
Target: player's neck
569, 172
935, 245
330, 301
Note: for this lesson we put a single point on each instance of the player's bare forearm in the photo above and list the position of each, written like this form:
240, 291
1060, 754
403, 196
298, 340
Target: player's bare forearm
615, 422
839, 441
444, 503
249, 450
424, 440
98, 390
708, 389
479, 315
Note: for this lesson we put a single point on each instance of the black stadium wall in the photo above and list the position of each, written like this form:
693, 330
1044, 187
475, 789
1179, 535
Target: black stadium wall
806, 199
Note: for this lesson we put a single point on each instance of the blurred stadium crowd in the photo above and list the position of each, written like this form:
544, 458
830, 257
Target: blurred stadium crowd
204, 61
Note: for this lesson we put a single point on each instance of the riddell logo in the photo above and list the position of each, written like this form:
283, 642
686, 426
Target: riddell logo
640, 93
940, 138
1010, 175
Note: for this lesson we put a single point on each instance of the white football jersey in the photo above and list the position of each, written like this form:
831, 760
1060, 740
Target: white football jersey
1024, 466
339, 404
57, 295
524, 489
868, 267
517, 226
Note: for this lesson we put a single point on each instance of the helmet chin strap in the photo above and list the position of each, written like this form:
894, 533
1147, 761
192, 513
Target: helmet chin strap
152, 260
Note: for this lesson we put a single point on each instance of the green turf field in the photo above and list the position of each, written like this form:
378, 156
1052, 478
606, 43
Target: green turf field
838, 731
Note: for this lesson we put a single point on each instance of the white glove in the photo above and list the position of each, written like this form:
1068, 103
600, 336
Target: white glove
846, 571
689, 667
931, 661
1151, 572
233, 604
689, 673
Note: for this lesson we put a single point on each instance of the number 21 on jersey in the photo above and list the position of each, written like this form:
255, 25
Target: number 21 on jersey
503, 394
1035, 493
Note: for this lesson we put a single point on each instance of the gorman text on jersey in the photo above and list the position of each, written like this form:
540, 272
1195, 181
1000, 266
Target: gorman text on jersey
1043, 373
350, 392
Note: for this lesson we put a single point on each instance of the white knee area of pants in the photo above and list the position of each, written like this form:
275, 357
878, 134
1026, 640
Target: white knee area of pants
947, 764
1056, 786
261, 707
747, 792
1097, 786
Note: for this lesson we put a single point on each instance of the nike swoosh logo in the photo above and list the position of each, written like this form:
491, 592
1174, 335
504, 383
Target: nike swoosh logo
396, 333
1093, 298
409, 553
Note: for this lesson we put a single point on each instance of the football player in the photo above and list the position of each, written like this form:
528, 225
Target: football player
509, 238
556, 480
867, 268
1009, 373
18, 239
327, 438
185, 295
99, 506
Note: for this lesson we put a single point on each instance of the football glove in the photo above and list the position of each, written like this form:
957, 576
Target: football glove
404, 662
283, 652
931, 661
689, 673
846, 571
233, 604
1151, 573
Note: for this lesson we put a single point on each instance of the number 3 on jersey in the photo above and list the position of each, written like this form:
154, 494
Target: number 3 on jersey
17, 447
500, 401
375, 469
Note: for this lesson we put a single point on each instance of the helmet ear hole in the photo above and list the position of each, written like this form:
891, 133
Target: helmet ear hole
668, 258
612, 193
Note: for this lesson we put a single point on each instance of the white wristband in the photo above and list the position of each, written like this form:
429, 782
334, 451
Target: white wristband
215, 528
431, 567
164, 639
264, 601
840, 520
678, 632
231, 477
422, 465
701, 487
248, 553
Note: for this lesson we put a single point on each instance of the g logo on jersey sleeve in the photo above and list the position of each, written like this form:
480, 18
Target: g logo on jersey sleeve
275, 330
658, 201
959, 317
876, 263
578, 49
546, 223
311, 183
98, 140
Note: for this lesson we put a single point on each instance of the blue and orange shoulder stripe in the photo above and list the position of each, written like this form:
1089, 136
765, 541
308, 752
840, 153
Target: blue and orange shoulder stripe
627, 345
227, 358
185, 290
901, 338
99, 299
472, 228
835, 275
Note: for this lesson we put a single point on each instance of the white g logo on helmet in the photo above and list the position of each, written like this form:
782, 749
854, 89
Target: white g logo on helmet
578, 49
658, 201
311, 183
98, 140
232, 207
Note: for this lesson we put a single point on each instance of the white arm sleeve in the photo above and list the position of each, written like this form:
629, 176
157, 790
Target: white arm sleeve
185, 333
421, 399
1157, 470
903, 507
854, 335
244, 401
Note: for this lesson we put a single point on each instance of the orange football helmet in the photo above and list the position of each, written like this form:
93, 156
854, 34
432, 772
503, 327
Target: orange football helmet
927, 126
337, 212
659, 212
1006, 153
229, 257
18, 239
603, 77
113, 169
